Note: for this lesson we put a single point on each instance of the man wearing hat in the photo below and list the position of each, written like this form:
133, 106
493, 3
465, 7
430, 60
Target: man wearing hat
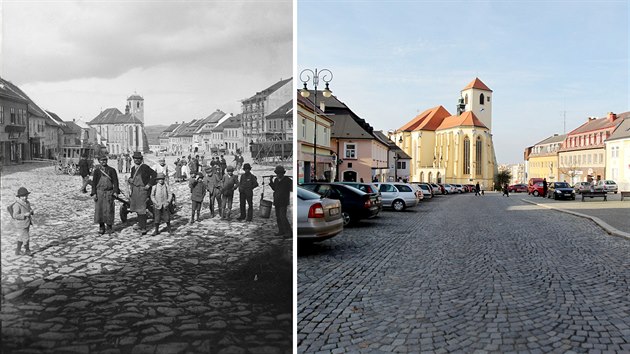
197, 193
161, 197
213, 182
21, 213
104, 189
142, 177
229, 185
282, 187
246, 187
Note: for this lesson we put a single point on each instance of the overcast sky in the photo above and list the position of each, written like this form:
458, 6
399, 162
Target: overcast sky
542, 59
186, 58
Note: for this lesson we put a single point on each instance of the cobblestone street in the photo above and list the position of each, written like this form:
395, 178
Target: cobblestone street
465, 273
214, 286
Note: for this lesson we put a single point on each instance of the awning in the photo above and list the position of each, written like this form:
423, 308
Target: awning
14, 129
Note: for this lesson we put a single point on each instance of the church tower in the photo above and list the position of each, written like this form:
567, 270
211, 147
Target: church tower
135, 103
477, 98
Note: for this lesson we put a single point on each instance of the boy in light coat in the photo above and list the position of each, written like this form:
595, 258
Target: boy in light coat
161, 197
21, 214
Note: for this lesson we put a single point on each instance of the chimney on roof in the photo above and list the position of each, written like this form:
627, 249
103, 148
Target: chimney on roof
611, 117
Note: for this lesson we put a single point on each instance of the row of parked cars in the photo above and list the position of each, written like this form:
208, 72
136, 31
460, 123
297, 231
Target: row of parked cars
325, 208
562, 190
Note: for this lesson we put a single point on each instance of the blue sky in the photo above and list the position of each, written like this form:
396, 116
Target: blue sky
394, 59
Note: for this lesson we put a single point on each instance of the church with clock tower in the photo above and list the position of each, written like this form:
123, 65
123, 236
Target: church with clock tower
447, 148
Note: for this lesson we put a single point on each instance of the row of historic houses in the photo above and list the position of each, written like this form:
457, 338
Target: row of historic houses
266, 116
335, 144
597, 149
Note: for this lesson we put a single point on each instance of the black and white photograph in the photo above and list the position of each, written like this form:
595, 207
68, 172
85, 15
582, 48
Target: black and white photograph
146, 174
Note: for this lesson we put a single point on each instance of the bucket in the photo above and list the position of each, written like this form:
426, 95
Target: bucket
265, 208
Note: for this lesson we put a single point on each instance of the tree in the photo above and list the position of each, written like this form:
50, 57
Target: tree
503, 177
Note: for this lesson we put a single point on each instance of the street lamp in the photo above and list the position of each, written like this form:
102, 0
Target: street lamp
305, 76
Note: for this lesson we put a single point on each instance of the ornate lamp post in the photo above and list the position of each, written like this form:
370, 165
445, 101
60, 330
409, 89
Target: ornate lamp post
305, 76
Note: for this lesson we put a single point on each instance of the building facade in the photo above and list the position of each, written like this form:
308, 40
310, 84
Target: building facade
618, 154
542, 161
257, 107
122, 133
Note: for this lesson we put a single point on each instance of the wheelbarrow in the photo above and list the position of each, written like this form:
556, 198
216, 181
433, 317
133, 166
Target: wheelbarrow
126, 204
265, 205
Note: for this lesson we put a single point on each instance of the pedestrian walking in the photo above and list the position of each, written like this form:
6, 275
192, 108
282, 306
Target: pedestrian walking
197, 193
22, 214
185, 169
228, 186
544, 194
140, 181
246, 186
178, 171
238, 160
104, 190
223, 165
282, 186
506, 192
161, 167
127, 163
477, 189
213, 182
161, 197
84, 171
119, 161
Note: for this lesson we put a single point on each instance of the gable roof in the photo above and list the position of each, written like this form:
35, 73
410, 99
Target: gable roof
114, 116
170, 128
622, 131
427, 120
230, 122
188, 129
556, 138
477, 84
71, 128
595, 124
284, 111
52, 119
269, 90
466, 119
13, 91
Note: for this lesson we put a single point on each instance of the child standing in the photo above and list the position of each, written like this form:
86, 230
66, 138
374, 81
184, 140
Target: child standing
229, 185
197, 193
161, 197
22, 213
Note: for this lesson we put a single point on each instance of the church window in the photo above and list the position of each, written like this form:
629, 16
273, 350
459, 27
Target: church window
481, 99
466, 155
478, 156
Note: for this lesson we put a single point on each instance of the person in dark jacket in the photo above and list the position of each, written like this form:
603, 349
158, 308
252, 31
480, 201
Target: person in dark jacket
223, 164
213, 182
197, 193
140, 182
282, 187
104, 189
84, 171
506, 191
246, 187
544, 194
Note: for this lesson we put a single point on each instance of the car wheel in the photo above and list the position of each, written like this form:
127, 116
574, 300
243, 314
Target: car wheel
398, 205
346, 218
536, 193
572, 198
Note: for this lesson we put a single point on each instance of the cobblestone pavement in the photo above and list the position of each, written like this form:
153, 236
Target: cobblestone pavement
214, 286
613, 212
465, 273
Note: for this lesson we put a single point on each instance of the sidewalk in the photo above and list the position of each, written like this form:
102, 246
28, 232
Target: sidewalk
612, 215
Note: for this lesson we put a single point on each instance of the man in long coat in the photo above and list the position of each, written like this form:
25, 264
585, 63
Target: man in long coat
282, 187
142, 177
213, 182
104, 189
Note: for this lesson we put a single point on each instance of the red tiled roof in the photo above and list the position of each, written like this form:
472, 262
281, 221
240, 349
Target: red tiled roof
427, 120
478, 84
467, 119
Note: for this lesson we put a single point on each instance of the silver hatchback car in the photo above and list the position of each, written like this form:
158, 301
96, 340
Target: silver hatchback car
318, 218
398, 196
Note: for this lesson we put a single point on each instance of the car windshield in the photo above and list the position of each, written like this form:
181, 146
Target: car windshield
610, 182
303, 194
403, 188
562, 185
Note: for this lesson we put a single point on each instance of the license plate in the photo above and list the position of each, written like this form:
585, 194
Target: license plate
334, 211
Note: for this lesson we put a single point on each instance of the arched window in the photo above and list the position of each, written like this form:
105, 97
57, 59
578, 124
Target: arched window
478, 156
481, 99
421, 176
466, 156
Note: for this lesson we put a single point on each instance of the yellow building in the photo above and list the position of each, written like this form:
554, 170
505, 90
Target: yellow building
447, 148
543, 158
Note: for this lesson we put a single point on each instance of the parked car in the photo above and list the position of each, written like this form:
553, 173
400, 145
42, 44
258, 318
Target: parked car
438, 187
367, 188
398, 196
581, 187
355, 204
517, 188
459, 188
426, 189
559, 190
605, 186
534, 186
318, 218
418, 190
449, 188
